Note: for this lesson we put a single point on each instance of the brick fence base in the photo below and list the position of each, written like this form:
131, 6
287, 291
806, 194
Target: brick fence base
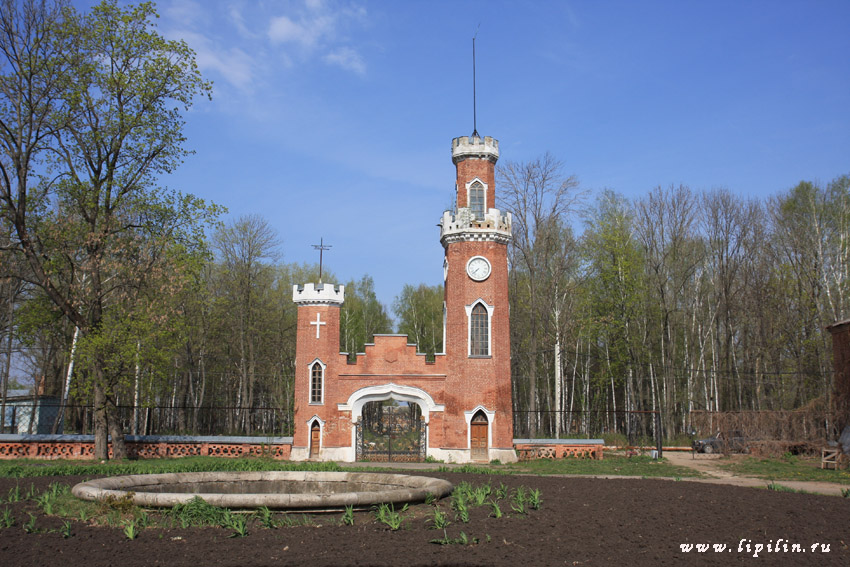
152, 446
528, 449
143, 447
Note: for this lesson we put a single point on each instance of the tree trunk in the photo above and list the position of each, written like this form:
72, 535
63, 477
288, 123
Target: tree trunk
137, 391
65, 391
119, 447
101, 446
4, 387
557, 382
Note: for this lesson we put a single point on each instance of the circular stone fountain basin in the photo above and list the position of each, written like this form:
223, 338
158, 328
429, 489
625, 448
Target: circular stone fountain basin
290, 490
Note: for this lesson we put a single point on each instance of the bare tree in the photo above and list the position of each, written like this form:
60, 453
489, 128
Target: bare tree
246, 250
540, 198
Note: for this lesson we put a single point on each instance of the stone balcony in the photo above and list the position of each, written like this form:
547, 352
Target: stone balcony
462, 225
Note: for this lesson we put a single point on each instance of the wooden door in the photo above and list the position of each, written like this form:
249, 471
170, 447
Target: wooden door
478, 438
315, 441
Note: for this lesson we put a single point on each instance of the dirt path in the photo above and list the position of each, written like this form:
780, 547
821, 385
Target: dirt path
709, 465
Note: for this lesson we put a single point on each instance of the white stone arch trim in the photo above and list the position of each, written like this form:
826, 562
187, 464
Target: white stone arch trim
467, 415
469, 185
444, 327
361, 397
490, 309
324, 366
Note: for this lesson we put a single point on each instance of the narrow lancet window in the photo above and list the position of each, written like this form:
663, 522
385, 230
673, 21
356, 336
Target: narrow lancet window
316, 376
479, 329
476, 200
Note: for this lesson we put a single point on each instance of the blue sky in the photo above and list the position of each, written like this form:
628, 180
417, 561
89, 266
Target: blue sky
334, 119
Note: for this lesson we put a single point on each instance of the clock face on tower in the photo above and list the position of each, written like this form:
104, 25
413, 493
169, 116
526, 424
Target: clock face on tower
478, 268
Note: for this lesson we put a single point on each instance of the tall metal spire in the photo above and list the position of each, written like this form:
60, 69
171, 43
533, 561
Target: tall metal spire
474, 106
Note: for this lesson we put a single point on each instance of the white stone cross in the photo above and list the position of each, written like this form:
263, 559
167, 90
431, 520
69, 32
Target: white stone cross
318, 322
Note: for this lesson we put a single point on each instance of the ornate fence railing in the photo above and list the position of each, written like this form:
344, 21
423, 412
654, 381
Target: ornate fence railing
46, 416
625, 428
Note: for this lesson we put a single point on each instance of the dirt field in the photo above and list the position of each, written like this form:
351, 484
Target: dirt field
581, 522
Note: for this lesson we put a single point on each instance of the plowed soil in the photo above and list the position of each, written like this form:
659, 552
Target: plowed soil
581, 522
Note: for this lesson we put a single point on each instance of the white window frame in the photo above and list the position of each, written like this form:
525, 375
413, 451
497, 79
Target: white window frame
310, 382
469, 196
490, 310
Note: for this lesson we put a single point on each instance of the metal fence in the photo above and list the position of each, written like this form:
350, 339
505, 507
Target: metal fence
48, 417
624, 428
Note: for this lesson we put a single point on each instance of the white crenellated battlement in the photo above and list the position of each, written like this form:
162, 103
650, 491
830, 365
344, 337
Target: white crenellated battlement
475, 147
318, 294
463, 225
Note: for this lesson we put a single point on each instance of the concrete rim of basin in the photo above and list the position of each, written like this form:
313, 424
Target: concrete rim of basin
394, 488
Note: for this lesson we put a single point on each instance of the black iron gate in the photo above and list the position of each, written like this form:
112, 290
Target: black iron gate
391, 430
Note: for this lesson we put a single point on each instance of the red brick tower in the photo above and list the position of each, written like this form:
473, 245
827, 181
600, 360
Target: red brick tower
316, 361
479, 419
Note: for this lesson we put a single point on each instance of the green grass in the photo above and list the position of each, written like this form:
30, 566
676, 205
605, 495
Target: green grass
786, 468
22, 468
610, 465
198, 512
782, 488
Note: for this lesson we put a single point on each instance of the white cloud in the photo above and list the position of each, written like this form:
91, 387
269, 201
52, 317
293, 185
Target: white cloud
306, 32
238, 21
236, 66
282, 30
319, 31
186, 13
240, 42
346, 58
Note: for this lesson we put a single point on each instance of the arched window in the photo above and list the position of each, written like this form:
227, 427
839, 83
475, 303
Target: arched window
317, 374
476, 200
479, 331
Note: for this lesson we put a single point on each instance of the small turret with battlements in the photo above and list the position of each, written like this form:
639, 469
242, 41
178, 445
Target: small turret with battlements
318, 294
475, 147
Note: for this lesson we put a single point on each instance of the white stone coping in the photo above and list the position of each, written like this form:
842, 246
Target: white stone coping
318, 294
327, 489
559, 441
475, 146
224, 439
462, 225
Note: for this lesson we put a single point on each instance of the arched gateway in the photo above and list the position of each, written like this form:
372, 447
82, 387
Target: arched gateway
390, 422
389, 402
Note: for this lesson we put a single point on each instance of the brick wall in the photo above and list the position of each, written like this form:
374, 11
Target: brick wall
469, 169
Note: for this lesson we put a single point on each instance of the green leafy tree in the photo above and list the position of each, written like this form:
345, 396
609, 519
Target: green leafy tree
419, 311
92, 103
362, 316
614, 293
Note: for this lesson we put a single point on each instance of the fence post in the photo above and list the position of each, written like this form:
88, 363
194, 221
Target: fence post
659, 436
